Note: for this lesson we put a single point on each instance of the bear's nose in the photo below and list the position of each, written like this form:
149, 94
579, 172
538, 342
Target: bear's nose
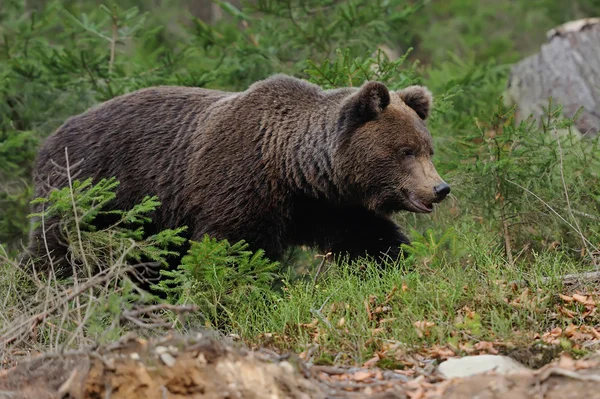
441, 191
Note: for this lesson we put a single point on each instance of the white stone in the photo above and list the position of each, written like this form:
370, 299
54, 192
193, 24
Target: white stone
471, 365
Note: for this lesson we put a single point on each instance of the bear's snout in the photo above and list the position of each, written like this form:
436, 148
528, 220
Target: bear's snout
441, 191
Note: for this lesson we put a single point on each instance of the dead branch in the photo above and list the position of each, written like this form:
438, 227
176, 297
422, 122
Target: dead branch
17, 332
133, 316
567, 279
163, 306
547, 373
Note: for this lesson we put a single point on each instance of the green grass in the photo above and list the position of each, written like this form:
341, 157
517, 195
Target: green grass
468, 299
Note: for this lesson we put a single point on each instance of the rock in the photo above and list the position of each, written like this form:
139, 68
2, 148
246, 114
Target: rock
165, 356
567, 68
471, 365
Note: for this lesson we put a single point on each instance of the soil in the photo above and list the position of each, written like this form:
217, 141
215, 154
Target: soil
182, 367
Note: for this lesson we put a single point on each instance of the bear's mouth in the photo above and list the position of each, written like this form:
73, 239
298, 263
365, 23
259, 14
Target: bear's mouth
418, 205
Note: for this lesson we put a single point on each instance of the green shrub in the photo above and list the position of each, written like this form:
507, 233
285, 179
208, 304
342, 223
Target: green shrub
94, 304
78, 206
222, 279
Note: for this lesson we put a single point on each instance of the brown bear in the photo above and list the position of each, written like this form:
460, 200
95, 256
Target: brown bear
283, 163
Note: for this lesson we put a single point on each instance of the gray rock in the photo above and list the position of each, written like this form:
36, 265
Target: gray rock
471, 365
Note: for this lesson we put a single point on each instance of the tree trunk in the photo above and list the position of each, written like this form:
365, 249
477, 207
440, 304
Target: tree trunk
567, 68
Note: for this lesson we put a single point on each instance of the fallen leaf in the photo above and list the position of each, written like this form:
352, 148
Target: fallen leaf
566, 312
362, 376
590, 311
487, 347
376, 331
554, 245
389, 296
566, 361
312, 324
423, 327
585, 364
372, 362
406, 372
466, 347
368, 309
594, 332
552, 336
584, 299
441, 352
566, 298
382, 309
419, 393
576, 333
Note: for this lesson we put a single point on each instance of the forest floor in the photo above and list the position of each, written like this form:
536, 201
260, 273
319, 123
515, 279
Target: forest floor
551, 329
556, 363
204, 367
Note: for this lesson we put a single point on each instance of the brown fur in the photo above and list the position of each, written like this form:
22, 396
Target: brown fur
282, 163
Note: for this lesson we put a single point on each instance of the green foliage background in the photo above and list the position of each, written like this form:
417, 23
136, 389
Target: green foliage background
510, 182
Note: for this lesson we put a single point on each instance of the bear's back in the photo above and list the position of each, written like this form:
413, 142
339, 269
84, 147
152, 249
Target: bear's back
135, 137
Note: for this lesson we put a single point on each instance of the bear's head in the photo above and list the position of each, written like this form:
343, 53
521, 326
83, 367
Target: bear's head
385, 149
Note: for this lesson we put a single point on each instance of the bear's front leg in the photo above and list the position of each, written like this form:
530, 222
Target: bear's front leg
370, 235
349, 231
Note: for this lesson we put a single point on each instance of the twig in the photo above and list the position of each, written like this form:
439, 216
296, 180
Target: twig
586, 215
142, 324
505, 232
500, 196
318, 312
547, 373
562, 178
133, 315
82, 322
55, 354
80, 240
330, 370
163, 306
66, 386
507, 246
566, 279
113, 42
13, 334
320, 270
353, 385
50, 261
552, 210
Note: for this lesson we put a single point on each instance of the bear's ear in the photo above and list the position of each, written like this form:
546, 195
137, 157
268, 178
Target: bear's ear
365, 105
418, 98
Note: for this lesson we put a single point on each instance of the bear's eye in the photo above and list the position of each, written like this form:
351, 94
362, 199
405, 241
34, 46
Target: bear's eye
407, 152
